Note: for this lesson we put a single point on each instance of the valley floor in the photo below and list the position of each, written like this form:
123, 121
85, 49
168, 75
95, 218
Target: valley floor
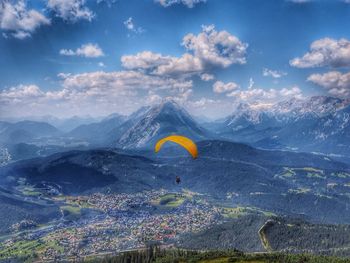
98, 225
101, 224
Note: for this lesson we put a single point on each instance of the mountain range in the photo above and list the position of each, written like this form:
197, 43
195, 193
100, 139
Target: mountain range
318, 124
64, 124
25, 131
142, 128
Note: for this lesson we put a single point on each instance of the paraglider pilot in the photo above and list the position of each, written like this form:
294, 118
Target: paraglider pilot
185, 142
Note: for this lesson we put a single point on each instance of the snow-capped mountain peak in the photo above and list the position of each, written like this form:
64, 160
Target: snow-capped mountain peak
318, 123
159, 121
318, 105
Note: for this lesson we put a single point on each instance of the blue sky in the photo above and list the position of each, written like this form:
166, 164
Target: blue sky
75, 57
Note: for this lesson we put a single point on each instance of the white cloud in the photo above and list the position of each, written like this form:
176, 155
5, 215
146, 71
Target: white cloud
206, 50
96, 93
336, 83
188, 3
325, 52
153, 98
145, 60
20, 22
22, 91
181, 97
101, 64
158, 64
130, 25
259, 95
207, 77
70, 10
121, 80
187, 64
109, 3
216, 48
100, 93
273, 73
202, 102
212, 108
87, 50
67, 52
251, 83
221, 87
21, 34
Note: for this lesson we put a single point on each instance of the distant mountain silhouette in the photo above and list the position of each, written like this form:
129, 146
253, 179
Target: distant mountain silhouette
25, 131
98, 132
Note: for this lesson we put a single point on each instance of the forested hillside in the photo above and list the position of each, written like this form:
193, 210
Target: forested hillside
215, 256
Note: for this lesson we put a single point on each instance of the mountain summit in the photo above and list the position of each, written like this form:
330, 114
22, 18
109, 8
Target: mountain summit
159, 121
316, 124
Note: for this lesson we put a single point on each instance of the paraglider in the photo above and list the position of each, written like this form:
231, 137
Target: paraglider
183, 141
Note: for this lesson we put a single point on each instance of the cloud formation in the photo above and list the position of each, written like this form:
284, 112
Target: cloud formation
259, 95
87, 50
257, 98
96, 93
221, 87
70, 10
188, 3
251, 83
273, 73
120, 80
206, 50
336, 83
109, 3
147, 74
145, 60
18, 21
207, 77
185, 66
325, 52
216, 48
21, 92
130, 25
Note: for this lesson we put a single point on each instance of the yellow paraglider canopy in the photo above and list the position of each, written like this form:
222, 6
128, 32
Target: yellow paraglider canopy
185, 142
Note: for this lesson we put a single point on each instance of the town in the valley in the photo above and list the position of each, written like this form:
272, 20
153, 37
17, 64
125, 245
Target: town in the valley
102, 224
